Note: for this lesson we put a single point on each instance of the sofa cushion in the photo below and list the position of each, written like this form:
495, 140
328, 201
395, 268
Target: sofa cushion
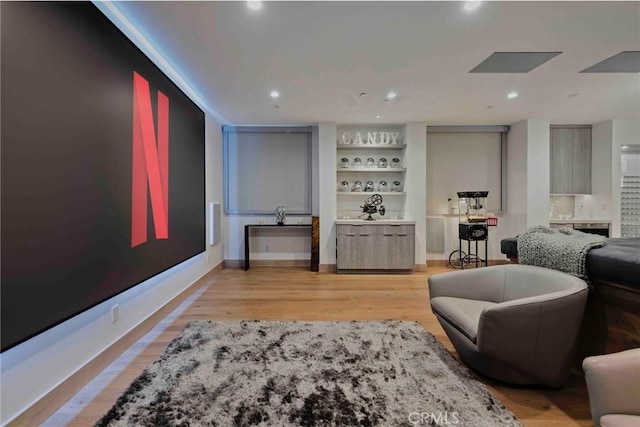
619, 420
461, 313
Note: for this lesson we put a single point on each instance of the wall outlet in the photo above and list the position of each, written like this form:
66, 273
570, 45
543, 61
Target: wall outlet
115, 313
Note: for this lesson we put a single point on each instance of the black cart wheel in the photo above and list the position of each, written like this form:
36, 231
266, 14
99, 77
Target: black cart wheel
457, 259
471, 261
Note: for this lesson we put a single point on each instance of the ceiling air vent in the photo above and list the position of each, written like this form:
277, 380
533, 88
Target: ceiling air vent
624, 62
513, 62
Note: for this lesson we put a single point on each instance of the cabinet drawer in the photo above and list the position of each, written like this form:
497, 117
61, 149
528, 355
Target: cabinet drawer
398, 230
357, 230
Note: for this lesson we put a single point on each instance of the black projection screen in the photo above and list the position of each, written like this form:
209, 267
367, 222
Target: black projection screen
103, 167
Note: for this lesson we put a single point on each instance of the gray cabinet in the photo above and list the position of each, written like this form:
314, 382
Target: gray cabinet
376, 246
570, 159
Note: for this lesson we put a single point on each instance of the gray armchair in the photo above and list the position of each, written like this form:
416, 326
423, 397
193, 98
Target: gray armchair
613, 381
514, 323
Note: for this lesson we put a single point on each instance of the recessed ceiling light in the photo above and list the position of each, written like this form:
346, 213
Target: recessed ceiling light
472, 5
275, 94
363, 94
378, 116
254, 4
573, 95
391, 95
512, 95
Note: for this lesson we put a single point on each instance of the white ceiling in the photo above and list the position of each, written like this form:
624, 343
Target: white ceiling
322, 55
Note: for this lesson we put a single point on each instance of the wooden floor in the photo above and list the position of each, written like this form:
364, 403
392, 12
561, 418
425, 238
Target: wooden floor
297, 294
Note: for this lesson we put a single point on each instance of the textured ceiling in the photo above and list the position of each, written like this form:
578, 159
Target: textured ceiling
322, 55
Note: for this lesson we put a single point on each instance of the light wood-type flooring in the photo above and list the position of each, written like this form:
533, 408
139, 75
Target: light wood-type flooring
298, 294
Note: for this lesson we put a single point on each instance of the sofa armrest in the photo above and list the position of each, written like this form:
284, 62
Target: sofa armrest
533, 334
484, 284
613, 381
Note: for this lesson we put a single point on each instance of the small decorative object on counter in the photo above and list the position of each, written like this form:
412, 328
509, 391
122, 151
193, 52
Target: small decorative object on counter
357, 163
371, 206
369, 186
382, 186
371, 162
344, 186
344, 163
382, 163
453, 209
395, 162
397, 186
280, 214
357, 186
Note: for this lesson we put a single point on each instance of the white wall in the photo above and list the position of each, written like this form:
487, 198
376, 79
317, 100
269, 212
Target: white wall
538, 172
32, 369
266, 244
415, 156
327, 158
517, 177
528, 163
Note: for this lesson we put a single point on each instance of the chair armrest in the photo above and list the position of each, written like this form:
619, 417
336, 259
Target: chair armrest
613, 381
535, 334
484, 284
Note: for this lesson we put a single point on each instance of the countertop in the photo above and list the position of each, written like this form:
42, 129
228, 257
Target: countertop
374, 222
579, 221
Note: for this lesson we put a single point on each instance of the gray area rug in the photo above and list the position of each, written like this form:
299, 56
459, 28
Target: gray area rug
388, 373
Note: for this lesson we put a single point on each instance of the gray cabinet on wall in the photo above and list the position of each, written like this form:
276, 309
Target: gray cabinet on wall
570, 159
375, 246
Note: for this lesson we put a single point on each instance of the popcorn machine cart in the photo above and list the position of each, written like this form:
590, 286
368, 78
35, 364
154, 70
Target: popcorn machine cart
473, 226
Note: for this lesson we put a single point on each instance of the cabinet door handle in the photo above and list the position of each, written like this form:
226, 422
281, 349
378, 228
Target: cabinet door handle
363, 234
401, 234
388, 234
350, 234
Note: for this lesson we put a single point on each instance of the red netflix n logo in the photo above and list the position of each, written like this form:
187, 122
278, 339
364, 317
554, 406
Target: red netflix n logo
150, 163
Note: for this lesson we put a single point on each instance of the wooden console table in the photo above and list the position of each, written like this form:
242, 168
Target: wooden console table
248, 227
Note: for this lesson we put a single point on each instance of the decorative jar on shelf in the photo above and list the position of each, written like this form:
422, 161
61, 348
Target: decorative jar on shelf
280, 215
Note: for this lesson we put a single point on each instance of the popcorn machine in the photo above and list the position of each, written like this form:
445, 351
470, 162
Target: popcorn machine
472, 227
472, 206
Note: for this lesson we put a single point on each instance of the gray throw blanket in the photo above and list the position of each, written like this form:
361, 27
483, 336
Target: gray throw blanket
563, 249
